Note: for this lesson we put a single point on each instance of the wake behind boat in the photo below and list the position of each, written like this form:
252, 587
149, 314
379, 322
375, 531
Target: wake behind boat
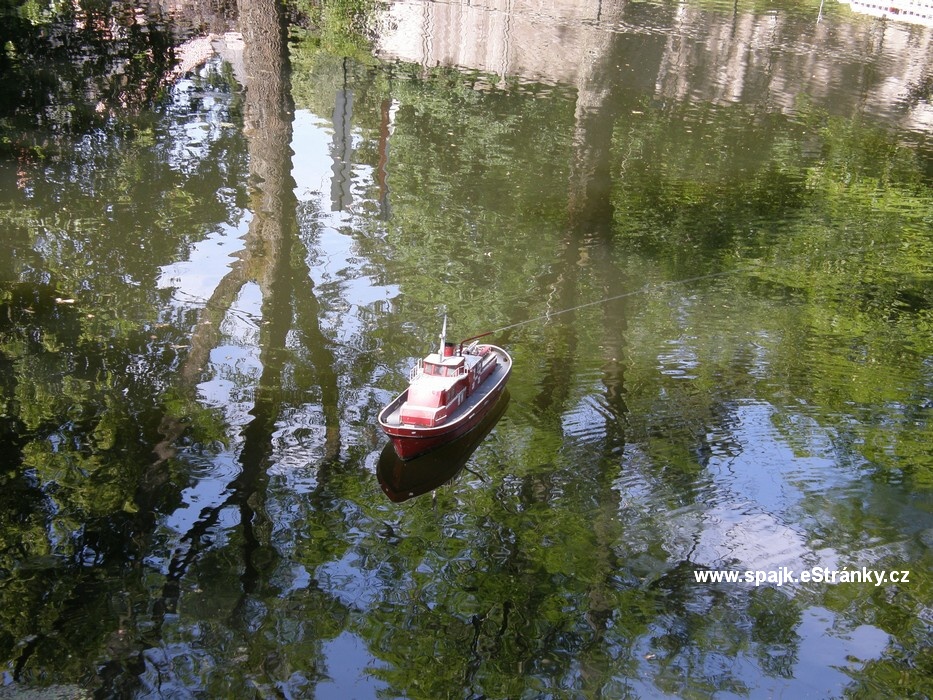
449, 393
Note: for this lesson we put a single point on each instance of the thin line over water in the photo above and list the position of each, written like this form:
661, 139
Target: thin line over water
656, 286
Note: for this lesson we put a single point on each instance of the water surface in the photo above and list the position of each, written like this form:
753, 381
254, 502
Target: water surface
703, 231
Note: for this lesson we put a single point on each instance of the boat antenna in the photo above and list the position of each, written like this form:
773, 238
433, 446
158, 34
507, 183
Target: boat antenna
473, 337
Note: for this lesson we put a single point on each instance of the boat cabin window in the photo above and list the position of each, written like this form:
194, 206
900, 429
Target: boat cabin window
447, 369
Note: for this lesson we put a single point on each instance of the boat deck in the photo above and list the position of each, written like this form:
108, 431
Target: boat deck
503, 366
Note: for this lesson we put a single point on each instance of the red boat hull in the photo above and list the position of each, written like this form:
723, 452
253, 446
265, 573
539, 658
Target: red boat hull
403, 479
411, 441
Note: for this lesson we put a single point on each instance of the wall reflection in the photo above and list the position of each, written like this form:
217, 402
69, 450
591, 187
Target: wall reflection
709, 53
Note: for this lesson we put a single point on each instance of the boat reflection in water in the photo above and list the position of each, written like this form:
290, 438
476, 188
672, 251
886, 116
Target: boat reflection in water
403, 479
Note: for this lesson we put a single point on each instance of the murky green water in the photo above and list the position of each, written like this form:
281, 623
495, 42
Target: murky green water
707, 230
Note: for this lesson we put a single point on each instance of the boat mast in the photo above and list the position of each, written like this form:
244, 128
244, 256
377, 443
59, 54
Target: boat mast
440, 350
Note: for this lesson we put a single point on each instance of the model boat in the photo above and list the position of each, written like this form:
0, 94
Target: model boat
403, 479
449, 393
